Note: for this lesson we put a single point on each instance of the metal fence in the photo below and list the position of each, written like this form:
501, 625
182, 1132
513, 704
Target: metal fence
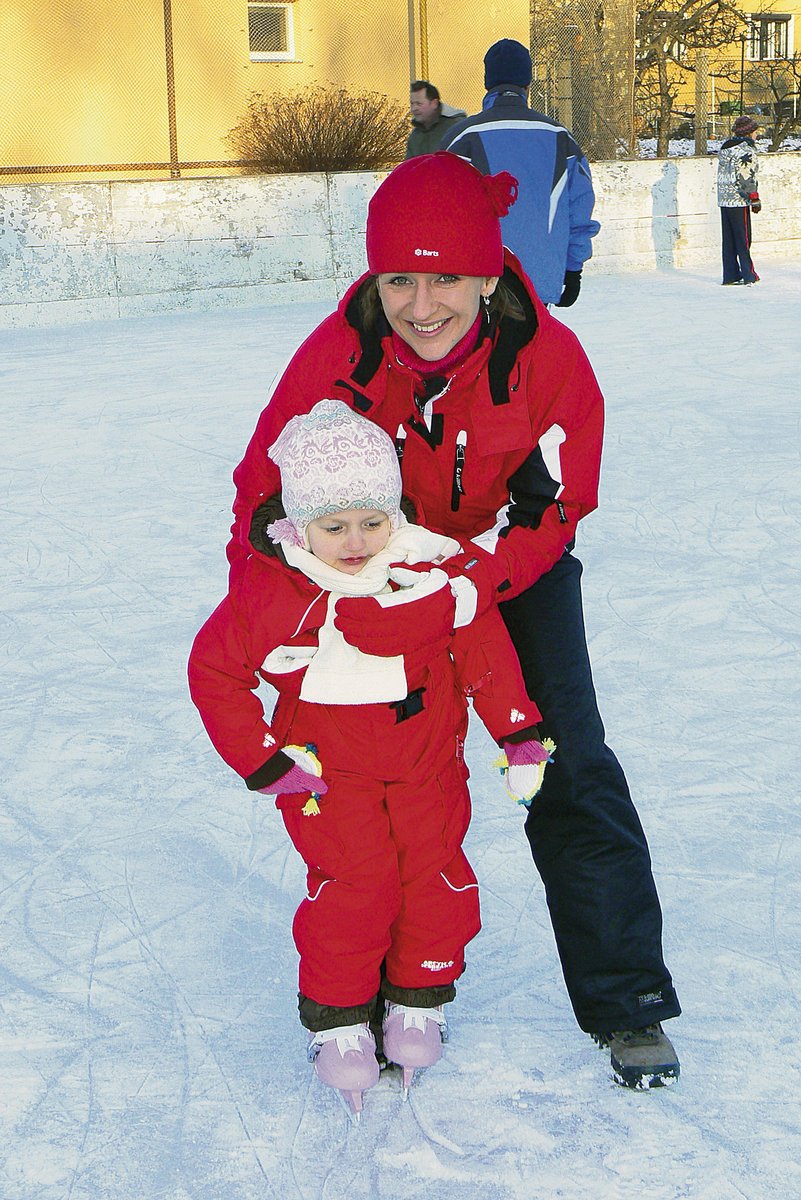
583, 57
714, 91
155, 86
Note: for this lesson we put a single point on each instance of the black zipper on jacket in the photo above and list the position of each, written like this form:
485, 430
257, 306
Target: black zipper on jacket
400, 443
457, 488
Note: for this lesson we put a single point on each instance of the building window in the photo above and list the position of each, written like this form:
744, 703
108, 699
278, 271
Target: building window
769, 36
271, 36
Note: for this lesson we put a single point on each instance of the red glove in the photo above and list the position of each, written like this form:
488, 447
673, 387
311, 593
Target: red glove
474, 564
402, 625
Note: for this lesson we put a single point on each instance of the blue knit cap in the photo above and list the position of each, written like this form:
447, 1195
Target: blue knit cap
507, 62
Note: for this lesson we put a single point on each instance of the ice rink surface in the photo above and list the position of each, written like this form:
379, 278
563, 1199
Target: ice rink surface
149, 1042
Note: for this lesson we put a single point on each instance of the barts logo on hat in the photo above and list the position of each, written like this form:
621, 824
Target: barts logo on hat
427, 253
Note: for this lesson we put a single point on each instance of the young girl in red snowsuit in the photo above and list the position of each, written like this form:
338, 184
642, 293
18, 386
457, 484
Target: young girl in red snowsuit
374, 652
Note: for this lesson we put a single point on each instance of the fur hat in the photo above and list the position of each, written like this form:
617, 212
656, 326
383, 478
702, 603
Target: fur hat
745, 125
507, 61
437, 213
332, 459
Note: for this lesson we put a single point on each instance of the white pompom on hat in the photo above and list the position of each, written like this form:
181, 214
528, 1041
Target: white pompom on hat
331, 459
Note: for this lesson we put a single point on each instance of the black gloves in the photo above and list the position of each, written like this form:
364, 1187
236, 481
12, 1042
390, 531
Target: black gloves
571, 289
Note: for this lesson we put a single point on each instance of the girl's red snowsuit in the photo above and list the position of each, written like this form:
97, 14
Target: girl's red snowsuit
511, 457
387, 879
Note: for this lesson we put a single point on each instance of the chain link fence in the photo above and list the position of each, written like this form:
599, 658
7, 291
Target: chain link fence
583, 58
154, 87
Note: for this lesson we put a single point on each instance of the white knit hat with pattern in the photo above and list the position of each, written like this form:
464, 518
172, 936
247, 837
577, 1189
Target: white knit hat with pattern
332, 459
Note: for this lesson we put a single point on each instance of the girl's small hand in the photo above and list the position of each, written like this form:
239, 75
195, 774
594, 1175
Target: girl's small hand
522, 767
305, 776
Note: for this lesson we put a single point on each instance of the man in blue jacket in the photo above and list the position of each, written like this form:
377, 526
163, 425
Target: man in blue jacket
550, 228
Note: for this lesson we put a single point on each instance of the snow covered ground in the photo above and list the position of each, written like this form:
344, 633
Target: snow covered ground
150, 1048
685, 147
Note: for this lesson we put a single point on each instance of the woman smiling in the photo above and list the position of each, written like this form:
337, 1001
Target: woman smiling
498, 422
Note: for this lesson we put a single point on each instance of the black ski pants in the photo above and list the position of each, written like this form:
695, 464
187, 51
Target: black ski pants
585, 835
735, 225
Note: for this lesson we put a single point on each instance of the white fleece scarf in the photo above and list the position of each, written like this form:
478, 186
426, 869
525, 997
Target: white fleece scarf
338, 673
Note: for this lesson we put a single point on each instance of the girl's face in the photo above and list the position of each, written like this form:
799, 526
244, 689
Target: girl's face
347, 540
432, 312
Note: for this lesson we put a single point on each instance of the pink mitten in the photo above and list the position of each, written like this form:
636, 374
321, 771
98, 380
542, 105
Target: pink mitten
304, 776
522, 766
295, 781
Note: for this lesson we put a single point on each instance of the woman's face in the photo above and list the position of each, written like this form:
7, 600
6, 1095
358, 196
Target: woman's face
432, 312
347, 540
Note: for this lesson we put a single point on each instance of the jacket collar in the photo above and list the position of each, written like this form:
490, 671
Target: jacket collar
506, 93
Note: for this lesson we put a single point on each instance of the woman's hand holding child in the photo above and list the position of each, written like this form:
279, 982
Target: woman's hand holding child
398, 628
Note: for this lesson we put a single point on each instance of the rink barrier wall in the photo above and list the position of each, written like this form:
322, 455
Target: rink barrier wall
73, 252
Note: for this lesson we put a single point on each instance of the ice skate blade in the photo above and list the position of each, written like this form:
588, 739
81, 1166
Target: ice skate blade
406, 1083
353, 1102
354, 1115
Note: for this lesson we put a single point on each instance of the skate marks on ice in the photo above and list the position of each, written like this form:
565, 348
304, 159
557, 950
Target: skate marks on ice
149, 1039
117, 1081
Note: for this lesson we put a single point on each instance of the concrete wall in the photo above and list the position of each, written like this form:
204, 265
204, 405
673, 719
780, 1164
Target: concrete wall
91, 251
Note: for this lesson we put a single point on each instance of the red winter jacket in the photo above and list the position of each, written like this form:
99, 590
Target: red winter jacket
271, 605
523, 413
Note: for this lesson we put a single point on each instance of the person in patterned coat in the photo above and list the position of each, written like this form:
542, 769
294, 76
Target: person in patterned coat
738, 197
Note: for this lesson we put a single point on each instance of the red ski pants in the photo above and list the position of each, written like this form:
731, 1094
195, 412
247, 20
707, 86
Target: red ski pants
387, 882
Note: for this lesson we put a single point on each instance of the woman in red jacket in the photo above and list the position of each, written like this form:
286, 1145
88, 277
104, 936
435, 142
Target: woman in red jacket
498, 422
379, 807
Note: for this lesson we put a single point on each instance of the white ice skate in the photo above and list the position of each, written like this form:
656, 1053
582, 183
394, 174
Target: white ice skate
344, 1058
413, 1038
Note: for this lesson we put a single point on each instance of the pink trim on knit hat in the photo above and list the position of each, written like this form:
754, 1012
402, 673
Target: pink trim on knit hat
437, 214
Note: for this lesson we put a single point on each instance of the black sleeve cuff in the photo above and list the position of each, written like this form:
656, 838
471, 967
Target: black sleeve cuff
277, 765
530, 734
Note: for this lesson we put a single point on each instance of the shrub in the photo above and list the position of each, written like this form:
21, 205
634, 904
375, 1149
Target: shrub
321, 129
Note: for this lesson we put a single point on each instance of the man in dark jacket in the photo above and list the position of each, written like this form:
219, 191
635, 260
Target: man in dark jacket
431, 119
550, 228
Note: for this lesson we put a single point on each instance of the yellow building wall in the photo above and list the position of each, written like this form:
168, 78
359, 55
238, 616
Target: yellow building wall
86, 80
82, 82
731, 57
459, 35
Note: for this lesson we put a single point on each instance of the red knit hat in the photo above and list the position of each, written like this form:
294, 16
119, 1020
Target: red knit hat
437, 213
